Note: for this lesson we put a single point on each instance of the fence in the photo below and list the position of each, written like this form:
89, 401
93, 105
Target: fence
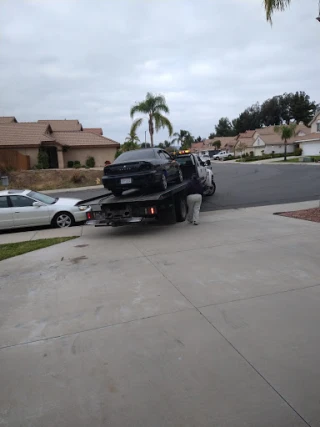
13, 159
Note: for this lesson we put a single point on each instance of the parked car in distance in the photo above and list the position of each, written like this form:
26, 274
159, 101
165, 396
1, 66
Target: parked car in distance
148, 168
222, 155
26, 208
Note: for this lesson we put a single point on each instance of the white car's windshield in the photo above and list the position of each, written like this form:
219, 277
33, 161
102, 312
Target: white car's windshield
42, 198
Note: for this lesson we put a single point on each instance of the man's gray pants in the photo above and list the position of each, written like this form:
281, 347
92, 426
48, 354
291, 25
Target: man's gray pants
194, 203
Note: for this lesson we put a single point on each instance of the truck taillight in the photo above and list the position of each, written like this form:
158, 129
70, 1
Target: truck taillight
89, 215
151, 211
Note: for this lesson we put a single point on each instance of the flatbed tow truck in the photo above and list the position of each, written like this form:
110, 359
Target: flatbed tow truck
167, 206
133, 206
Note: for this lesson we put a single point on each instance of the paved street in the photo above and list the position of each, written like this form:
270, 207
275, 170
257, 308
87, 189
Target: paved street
251, 185
207, 326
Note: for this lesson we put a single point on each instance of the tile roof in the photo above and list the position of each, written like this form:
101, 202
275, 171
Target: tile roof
275, 139
63, 125
97, 131
229, 141
20, 134
8, 120
84, 139
269, 130
246, 134
309, 137
198, 146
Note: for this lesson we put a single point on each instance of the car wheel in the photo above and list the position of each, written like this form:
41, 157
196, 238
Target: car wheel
163, 182
210, 190
63, 220
117, 193
180, 177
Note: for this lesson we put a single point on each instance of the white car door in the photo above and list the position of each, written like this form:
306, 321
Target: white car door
27, 215
6, 213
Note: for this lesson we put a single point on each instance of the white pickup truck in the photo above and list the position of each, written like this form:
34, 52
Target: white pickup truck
223, 155
192, 163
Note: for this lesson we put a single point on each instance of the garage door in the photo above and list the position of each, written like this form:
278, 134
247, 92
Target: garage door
311, 148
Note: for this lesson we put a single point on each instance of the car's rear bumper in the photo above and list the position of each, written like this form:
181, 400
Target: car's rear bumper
80, 216
145, 180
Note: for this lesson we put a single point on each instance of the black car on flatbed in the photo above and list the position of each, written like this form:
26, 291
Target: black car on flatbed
146, 169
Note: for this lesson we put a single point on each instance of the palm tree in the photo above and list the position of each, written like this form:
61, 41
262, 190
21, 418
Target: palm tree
272, 5
180, 137
132, 137
153, 106
286, 132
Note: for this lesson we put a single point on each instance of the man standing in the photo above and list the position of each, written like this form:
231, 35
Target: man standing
194, 200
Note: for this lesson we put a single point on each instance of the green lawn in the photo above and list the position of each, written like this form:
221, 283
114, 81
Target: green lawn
10, 250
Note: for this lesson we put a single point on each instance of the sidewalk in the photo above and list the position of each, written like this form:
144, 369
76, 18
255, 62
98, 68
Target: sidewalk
181, 325
276, 160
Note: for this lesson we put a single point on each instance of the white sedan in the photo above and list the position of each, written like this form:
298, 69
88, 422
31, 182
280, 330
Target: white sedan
26, 208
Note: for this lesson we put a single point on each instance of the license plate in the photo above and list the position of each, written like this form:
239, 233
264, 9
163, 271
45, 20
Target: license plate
126, 181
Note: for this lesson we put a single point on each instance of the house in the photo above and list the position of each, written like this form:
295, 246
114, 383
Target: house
244, 142
310, 142
267, 141
63, 140
227, 143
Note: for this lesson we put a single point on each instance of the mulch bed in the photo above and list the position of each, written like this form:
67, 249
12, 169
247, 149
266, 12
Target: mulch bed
307, 214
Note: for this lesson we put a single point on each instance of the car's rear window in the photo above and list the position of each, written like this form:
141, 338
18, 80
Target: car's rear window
128, 156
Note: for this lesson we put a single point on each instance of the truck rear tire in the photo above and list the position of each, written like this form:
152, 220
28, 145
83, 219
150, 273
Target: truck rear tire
181, 209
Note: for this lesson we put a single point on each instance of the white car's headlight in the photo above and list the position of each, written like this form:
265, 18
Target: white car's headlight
83, 207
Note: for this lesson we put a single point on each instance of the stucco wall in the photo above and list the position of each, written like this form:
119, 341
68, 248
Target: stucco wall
81, 154
278, 149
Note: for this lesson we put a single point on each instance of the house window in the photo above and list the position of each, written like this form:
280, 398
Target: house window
318, 127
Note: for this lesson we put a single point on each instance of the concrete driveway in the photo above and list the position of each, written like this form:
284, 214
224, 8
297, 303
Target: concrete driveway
214, 325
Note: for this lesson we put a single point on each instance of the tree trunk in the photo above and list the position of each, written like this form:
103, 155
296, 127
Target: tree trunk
285, 150
151, 130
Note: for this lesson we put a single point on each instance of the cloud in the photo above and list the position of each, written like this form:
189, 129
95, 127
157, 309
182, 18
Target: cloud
93, 60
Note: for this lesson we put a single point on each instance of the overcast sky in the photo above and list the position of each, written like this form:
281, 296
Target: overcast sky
93, 59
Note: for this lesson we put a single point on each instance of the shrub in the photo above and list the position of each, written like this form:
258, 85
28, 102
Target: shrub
77, 178
298, 152
70, 164
90, 162
251, 153
77, 164
43, 160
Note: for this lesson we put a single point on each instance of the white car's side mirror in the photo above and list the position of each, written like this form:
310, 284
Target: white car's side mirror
37, 204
